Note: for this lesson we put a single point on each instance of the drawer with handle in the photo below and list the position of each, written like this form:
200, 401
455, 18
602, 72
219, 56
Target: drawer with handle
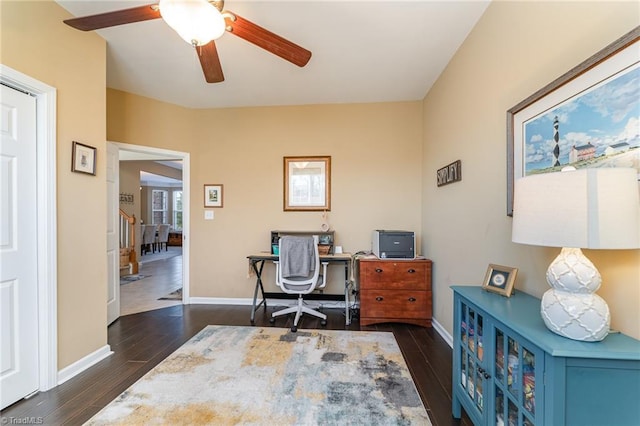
395, 304
395, 275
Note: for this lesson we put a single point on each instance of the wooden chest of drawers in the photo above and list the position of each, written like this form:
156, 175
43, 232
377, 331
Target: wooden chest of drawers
395, 291
175, 239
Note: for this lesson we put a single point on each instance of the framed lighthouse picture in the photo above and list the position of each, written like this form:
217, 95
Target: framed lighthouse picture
589, 117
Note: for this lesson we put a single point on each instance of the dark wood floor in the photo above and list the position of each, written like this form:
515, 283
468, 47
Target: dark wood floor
141, 341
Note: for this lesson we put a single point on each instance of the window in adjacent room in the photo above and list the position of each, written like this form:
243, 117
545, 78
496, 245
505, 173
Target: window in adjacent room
159, 206
177, 210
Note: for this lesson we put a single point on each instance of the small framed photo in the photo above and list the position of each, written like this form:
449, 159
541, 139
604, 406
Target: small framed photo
83, 158
212, 195
499, 279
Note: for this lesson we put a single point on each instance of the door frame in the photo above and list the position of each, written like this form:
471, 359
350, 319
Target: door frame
47, 254
186, 196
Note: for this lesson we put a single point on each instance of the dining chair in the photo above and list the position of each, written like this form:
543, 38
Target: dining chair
163, 236
149, 238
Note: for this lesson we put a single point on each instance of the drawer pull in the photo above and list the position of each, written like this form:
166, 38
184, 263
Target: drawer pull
411, 271
379, 298
378, 270
412, 299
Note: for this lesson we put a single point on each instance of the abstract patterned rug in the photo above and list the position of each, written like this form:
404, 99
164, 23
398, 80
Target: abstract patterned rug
270, 376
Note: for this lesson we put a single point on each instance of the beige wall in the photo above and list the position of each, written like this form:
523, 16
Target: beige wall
37, 43
515, 49
376, 169
383, 173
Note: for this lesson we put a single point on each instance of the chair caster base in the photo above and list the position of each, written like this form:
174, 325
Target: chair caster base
294, 329
323, 322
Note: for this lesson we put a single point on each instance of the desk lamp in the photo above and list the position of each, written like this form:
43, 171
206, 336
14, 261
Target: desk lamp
596, 208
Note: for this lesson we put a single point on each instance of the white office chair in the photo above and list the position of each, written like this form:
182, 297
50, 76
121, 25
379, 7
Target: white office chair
298, 272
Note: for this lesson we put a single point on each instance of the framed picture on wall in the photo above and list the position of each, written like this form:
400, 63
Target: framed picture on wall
83, 158
307, 183
499, 279
586, 118
213, 195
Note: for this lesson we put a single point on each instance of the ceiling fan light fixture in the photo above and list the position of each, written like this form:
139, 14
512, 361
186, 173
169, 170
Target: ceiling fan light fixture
196, 21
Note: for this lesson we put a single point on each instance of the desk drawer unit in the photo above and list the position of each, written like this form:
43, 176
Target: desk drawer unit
395, 291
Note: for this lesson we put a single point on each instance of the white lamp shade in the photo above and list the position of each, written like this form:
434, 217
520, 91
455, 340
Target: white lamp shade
196, 21
596, 208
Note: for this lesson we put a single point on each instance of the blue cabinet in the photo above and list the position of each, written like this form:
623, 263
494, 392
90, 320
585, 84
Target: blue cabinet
509, 369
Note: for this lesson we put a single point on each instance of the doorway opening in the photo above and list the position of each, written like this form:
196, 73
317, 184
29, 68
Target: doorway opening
154, 185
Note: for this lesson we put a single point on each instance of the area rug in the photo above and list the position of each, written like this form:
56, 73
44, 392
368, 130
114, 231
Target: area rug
126, 279
170, 253
270, 376
174, 295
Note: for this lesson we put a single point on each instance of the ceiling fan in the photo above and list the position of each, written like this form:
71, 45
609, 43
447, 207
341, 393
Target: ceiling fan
199, 23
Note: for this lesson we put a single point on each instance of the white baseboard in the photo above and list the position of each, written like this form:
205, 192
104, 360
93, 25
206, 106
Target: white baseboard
442, 332
218, 301
83, 363
271, 302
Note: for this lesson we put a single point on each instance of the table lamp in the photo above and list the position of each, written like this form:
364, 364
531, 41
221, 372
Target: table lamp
597, 208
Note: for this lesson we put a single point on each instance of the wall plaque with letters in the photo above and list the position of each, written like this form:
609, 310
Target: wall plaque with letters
449, 173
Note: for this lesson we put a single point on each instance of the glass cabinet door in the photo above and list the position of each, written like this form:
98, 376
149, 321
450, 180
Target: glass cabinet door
529, 382
515, 373
471, 355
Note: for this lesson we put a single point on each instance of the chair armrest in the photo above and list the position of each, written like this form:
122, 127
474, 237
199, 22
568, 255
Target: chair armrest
324, 275
277, 263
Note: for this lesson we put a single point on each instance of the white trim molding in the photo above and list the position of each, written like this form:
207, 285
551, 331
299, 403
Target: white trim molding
83, 363
217, 301
316, 303
45, 96
442, 332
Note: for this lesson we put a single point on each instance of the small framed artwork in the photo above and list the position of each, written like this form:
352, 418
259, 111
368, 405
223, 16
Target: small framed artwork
212, 195
83, 158
499, 279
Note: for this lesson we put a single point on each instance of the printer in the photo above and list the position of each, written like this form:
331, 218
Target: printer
386, 244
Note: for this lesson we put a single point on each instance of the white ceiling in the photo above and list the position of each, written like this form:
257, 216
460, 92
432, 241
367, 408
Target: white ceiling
147, 178
150, 179
362, 51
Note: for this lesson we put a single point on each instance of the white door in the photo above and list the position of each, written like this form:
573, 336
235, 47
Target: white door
113, 234
18, 247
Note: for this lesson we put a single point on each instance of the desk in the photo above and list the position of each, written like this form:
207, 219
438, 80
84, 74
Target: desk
257, 264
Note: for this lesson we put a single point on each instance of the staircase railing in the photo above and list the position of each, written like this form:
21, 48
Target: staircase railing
128, 257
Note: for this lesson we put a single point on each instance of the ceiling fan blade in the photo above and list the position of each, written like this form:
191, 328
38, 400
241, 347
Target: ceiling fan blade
210, 62
118, 17
267, 40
